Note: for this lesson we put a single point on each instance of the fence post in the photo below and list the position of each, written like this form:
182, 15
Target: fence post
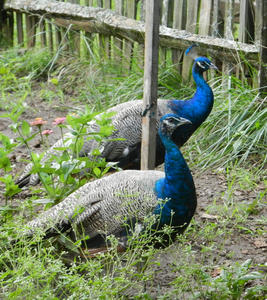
149, 120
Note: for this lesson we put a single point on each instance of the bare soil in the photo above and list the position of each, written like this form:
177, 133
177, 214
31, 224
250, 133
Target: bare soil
237, 246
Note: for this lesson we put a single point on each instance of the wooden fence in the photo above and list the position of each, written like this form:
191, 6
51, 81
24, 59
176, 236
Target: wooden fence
232, 32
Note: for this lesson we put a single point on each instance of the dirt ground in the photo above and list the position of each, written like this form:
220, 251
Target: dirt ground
209, 185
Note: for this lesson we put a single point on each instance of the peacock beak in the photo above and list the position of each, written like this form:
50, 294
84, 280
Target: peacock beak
212, 66
184, 121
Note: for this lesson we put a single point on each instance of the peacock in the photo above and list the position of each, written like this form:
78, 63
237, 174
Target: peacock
127, 123
108, 205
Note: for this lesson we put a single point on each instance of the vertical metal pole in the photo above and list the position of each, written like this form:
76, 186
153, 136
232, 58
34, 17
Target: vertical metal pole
149, 120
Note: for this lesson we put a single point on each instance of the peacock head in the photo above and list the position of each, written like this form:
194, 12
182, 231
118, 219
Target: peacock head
169, 122
203, 64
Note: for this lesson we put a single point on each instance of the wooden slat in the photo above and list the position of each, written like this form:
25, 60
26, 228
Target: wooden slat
10, 29
88, 44
74, 36
143, 11
140, 46
58, 35
3, 25
246, 34
228, 34
179, 16
2, 17
164, 22
50, 37
179, 20
128, 46
191, 25
246, 24
216, 31
107, 39
191, 16
43, 33
205, 17
31, 24
164, 15
215, 19
148, 147
20, 34
118, 42
102, 48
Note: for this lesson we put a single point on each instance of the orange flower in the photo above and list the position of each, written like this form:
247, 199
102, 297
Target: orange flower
38, 122
59, 121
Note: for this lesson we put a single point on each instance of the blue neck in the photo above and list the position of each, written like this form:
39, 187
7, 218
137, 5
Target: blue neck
203, 89
199, 106
175, 165
177, 188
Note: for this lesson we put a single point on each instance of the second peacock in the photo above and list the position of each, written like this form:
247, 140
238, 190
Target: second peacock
105, 206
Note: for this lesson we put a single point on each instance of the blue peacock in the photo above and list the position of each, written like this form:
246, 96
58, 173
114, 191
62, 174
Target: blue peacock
106, 206
127, 123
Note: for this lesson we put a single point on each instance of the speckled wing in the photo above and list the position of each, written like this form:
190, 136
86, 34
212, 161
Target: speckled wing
103, 205
128, 126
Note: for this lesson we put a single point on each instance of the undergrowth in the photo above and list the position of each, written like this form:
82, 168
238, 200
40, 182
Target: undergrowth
231, 141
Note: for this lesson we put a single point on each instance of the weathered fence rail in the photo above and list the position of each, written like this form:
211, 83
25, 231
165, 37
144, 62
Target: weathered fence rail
205, 23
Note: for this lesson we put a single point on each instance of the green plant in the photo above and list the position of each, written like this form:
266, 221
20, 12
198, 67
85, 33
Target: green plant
59, 170
7, 146
231, 283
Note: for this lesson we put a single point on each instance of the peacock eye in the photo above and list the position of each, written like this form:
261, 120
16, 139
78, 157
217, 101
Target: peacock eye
201, 65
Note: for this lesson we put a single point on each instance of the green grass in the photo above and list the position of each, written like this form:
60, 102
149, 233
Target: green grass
231, 141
